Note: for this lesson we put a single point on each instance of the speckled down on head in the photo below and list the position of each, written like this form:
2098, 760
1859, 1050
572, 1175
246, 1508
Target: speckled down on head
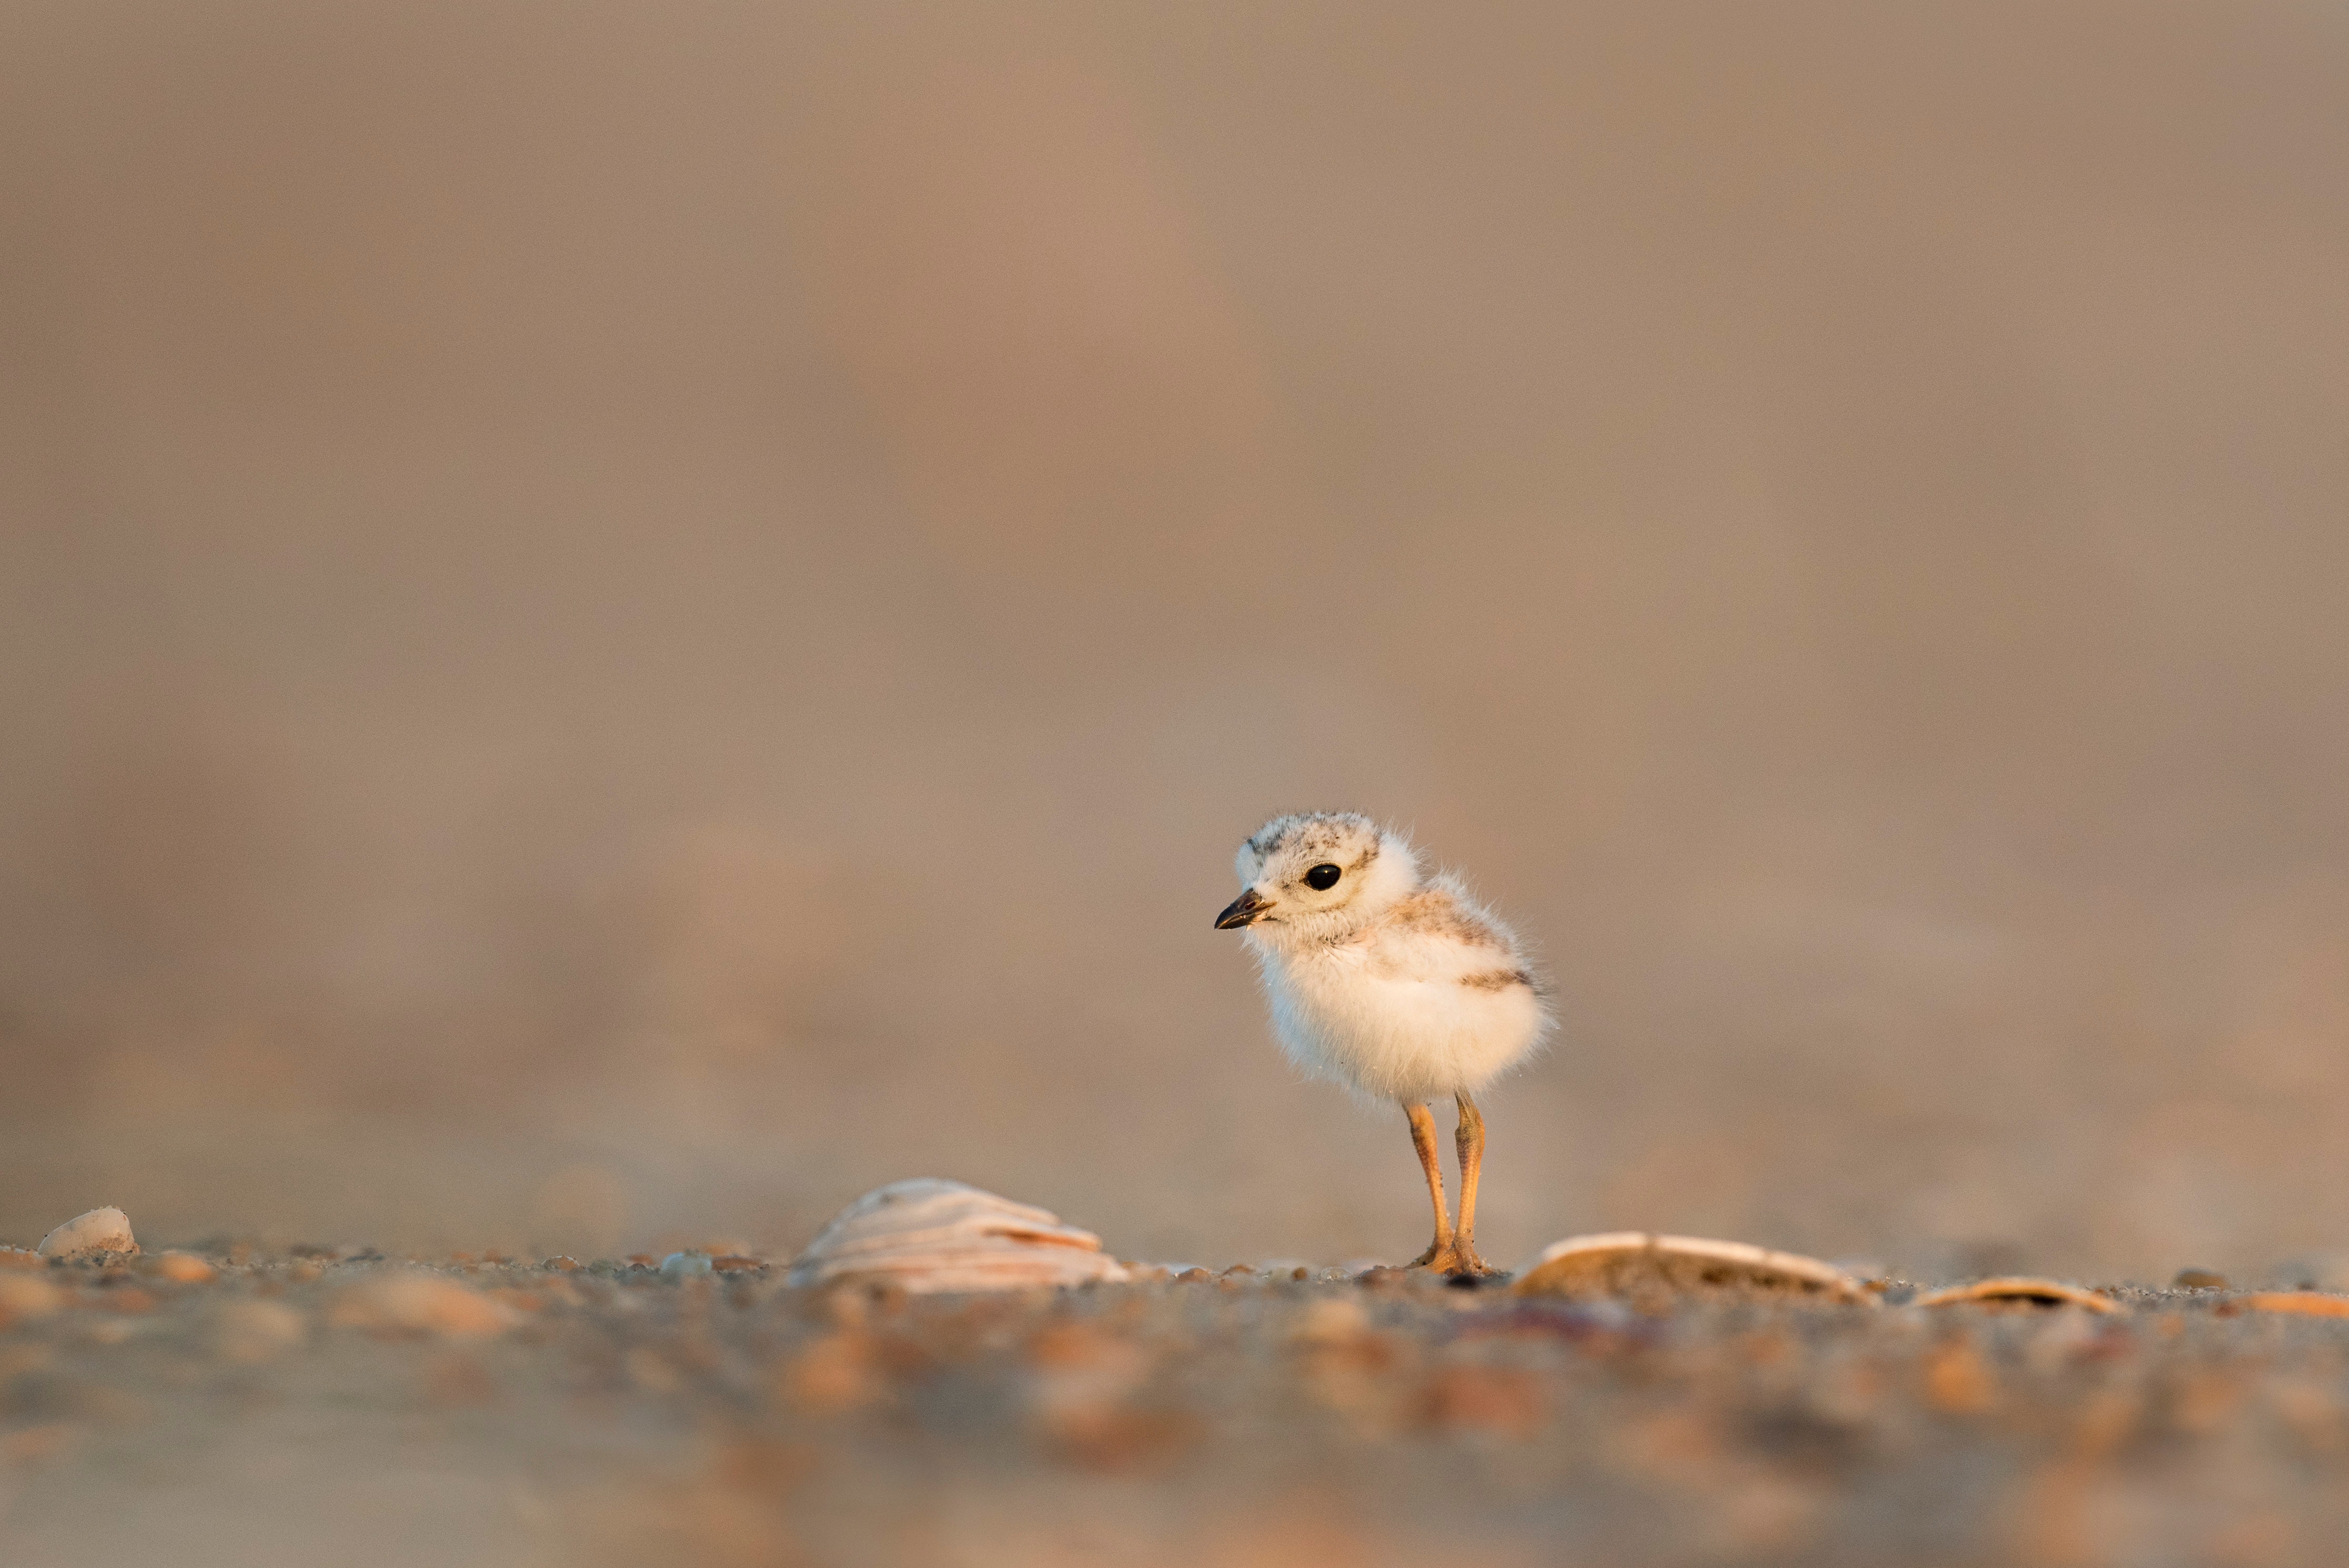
1398, 985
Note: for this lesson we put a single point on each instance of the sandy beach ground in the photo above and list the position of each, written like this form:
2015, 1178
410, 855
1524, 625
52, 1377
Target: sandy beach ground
315, 1408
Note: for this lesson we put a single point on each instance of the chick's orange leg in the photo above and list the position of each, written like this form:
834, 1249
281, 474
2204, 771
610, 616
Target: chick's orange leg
1439, 1253
1470, 1140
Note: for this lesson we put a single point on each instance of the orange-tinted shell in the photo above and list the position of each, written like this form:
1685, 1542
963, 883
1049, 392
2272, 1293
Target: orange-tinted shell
1656, 1270
2018, 1291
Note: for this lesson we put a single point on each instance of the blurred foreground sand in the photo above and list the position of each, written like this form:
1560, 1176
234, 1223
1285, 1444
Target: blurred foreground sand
290, 1413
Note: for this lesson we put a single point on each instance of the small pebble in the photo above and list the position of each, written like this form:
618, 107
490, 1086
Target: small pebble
414, 1301
250, 1332
2199, 1279
650, 1371
26, 1295
99, 1230
185, 1268
1333, 1319
684, 1265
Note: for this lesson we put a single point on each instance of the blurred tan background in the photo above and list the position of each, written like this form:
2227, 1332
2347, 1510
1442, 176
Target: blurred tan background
619, 622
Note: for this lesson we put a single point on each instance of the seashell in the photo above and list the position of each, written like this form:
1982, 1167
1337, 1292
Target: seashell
2015, 1291
99, 1230
928, 1234
2298, 1303
1654, 1271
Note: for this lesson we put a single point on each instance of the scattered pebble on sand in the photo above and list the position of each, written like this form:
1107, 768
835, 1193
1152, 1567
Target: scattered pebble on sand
419, 1301
250, 1332
182, 1268
25, 1295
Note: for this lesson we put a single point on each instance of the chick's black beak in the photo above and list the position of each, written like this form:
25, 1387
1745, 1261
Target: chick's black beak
1245, 909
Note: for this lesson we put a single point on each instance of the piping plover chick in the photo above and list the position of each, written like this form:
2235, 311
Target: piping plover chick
1395, 984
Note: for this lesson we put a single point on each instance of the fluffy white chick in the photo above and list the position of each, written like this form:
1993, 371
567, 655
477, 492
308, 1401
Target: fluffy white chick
1394, 983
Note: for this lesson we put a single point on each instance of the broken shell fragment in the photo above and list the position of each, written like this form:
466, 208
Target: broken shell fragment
1654, 1271
2015, 1292
928, 1234
99, 1230
2297, 1302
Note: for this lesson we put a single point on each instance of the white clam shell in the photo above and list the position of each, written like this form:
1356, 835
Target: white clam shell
99, 1230
928, 1234
1651, 1268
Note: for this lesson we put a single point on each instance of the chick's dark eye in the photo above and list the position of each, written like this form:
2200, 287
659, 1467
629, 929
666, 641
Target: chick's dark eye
1323, 877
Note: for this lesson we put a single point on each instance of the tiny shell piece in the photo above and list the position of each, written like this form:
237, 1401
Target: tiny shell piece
1654, 1271
99, 1230
2017, 1291
928, 1234
2299, 1303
